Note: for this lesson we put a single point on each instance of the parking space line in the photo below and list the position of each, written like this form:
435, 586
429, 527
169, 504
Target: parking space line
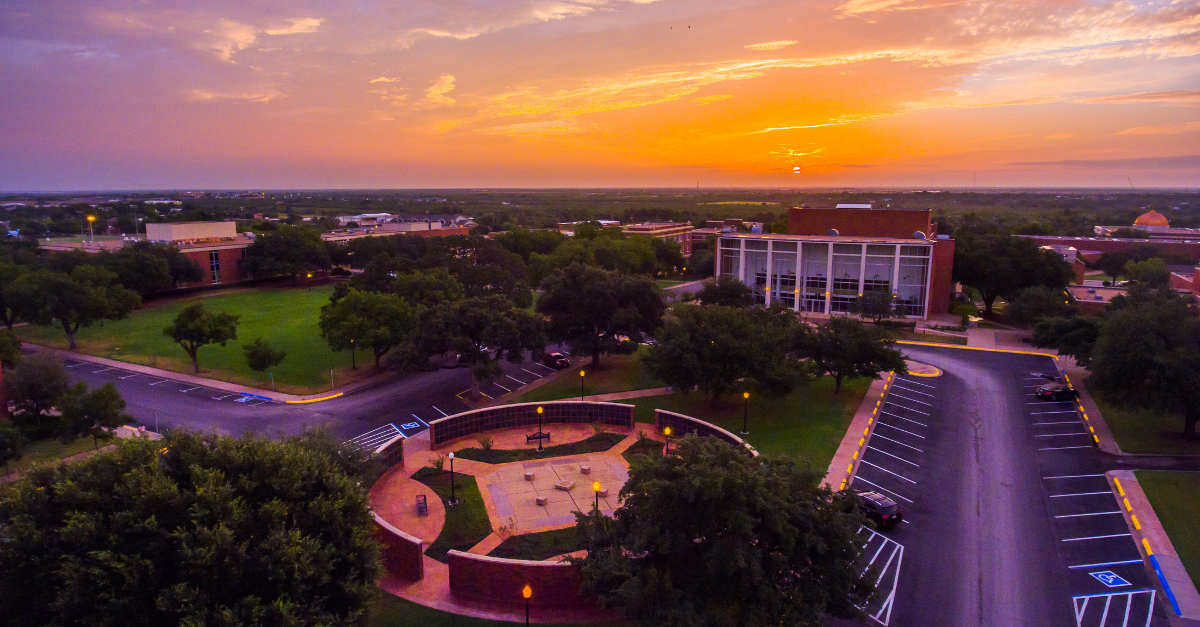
1042, 413
189, 390
900, 430
887, 471
256, 404
1072, 476
157, 382
76, 365
501, 386
884, 437
1115, 535
103, 370
1052, 403
136, 374
1059, 435
896, 387
911, 400
1091, 514
444, 414
914, 382
217, 398
869, 448
903, 407
1062, 448
534, 373
1121, 563
516, 379
1058, 496
903, 418
879, 487
1068, 422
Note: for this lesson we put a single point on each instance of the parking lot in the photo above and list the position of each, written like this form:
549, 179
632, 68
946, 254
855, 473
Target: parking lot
128, 378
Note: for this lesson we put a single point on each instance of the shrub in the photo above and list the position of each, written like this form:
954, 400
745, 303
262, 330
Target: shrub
485, 442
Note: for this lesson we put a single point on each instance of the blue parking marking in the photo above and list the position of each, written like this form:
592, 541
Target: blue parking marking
1110, 579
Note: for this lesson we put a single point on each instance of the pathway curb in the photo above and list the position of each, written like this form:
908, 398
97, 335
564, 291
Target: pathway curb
846, 460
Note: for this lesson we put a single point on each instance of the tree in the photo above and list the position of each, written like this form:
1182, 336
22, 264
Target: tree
726, 291
195, 327
11, 442
9, 308
288, 251
1000, 265
1074, 336
1035, 303
369, 320
876, 305
1147, 353
711, 536
146, 267
35, 387
260, 355
76, 300
718, 349
196, 529
599, 312
429, 288
1152, 272
483, 330
92, 413
847, 349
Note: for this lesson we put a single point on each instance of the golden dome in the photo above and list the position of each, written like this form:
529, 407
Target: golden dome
1151, 218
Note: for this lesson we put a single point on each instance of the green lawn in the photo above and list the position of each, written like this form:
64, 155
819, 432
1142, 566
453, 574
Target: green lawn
285, 318
539, 546
643, 447
467, 523
808, 424
665, 283
1097, 276
49, 450
392, 611
617, 373
1144, 431
934, 338
1175, 497
593, 444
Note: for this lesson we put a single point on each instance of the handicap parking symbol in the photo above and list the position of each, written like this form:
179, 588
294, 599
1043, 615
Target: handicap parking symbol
410, 425
1110, 579
243, 399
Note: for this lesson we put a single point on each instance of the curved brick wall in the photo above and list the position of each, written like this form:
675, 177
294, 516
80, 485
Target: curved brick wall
469, 423
501, 580
682, 425
391, 452
401, 553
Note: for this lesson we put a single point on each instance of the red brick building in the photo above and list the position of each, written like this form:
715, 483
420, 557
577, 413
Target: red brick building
831, 257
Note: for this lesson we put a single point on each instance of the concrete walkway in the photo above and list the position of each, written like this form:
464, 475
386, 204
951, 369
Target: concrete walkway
210, 383
981, 338
849, 453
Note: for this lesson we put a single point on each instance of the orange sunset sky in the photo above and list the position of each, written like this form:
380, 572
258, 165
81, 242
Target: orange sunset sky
123, 94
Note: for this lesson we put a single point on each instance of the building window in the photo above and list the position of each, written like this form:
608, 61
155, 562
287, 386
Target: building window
214, 264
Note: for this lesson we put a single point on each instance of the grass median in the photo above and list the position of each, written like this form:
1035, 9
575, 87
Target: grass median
539, 546
1146, 431
285, 318
392, 611
593, 444
1175, 497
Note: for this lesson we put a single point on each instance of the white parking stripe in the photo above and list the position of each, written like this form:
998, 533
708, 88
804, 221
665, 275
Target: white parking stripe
912, 400
1091, 514
157, 382
1052, 403
1042, 424
884, 437
1072, 476
887, 471
217, 398
879, 487
1107, 564
1061, 448
871, 448
903, 418
1058, 435
915, 382
889, 402
501, 386
439, 411
1043, 413
136, 374
896, 387
1115, 535
1057, 496
102, 370
516, 379
901, 430
189, 389
76, 365
533, 373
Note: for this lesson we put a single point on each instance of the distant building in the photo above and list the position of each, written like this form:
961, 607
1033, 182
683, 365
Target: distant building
568, 228
830, 258
1154, 225
1158, 232
669, 231
431, 228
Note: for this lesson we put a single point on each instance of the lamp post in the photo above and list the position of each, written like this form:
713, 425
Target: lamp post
353, 366
581, 374
527, 592
745, 410
452, 499
539, 433
667, 435
91, 234
596, 489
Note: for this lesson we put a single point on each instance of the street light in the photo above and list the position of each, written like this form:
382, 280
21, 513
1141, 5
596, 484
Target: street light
596, 489
91, 234
667, 435
527, 592
745, 406
452, 499
353, 366
581, 374
539, 433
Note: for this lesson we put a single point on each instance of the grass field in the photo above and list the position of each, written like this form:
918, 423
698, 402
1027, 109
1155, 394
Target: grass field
285, 318
539, 546
617, 373
391, 611
1145, 431
593, 444
935, 338
50, 450
1175, 497
467, 523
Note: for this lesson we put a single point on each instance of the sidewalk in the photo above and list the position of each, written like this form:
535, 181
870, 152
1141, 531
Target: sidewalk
845, 460
210, 383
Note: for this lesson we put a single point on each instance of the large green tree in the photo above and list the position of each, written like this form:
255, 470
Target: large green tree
599, 312
147, 267
368, 320
1001, 265
35, 387
1034, 303
1074, 336
482, 331
9, 308
196, 327
76, 300
711, 536
288, 251
726, 291
190, 530
846, 348
719, 349
92, 413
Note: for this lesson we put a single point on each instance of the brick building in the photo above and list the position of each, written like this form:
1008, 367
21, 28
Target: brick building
669, 231
831, 257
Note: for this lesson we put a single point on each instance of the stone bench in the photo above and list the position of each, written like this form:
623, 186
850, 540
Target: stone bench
585, 469
529, 475
541, 500
565, 485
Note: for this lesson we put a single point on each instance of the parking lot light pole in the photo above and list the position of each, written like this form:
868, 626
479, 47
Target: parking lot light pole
353, 366
527, 592
596, 489
667, 435
539, 428
91, 234
745, 411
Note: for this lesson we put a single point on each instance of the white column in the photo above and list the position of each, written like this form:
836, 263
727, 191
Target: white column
828, 278
770, 283
742, 263
862, 267
895, 284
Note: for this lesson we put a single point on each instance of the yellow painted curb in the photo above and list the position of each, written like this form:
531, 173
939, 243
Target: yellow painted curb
314, 400
920, 374
975, 348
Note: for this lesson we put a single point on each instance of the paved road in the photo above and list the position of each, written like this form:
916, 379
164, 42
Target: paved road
1007, 510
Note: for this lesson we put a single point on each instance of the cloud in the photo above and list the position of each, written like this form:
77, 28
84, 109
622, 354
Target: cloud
713, 98
1166, 129
263, 94
230, 37
298, 25
1180, 161
384, 79
772, 45
1151, 96
543, 128
1061, 136
436, 93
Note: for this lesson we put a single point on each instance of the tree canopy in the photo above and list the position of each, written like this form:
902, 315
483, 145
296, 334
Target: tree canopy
599, 312
368, 320
711, 536
196, 327
189, 530
847, 349
876, 305
1035, 303
1001, 265
74, 300
483, 330
726, 291
287, 251
35, 386
260, 355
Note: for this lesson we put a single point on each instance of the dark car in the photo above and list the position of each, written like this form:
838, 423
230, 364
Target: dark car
1056, 392
879, 508
556, 360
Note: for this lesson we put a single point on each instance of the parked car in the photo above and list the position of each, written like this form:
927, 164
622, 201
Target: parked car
1056, 392
879, 508
556, 360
